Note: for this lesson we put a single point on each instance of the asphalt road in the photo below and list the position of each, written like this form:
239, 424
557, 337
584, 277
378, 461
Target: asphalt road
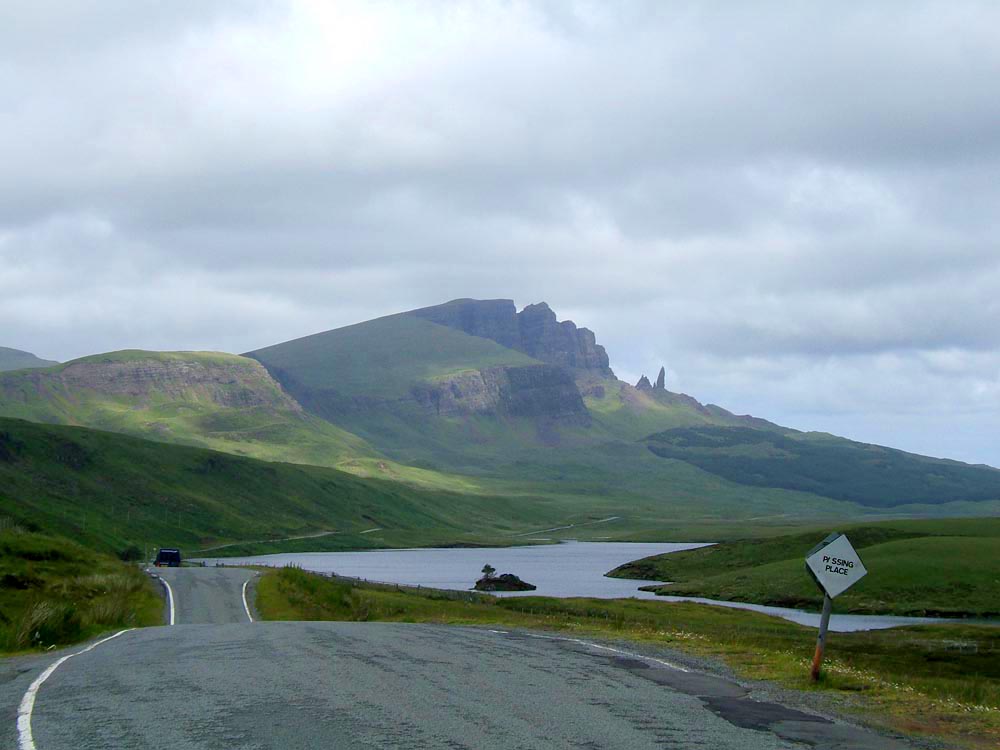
207, 596
230, 683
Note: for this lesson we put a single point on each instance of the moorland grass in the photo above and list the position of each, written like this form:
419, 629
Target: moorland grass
54, 592
947, 568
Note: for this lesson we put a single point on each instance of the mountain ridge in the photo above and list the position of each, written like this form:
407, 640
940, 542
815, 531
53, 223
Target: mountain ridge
452, 421
535, 330
421, 398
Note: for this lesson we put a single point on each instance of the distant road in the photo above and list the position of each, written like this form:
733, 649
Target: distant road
568, 526
216, 680
314, 535
207, 596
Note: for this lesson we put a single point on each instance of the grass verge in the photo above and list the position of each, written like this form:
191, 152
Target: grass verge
54, 592
935, 680
939, 567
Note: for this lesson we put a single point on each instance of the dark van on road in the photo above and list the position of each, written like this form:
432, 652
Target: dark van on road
168, 558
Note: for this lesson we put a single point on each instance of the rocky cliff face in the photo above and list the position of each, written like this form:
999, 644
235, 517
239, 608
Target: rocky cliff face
532, 391
560, 343
232, 382
535, 331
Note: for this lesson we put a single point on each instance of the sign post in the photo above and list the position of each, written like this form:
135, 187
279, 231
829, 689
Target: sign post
835, 566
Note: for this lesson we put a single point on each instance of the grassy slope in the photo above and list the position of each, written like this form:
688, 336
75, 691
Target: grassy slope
928, 567
939, 679
54, 591
382, 358
630, 414
188, 416
811, 462
15, 359
110, 490
588, 469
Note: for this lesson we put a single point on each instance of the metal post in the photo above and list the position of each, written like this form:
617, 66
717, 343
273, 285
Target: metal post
824, 622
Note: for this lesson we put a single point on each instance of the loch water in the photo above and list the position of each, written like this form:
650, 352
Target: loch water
569, 569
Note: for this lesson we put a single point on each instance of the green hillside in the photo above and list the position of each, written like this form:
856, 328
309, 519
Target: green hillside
918, 567
109, 491
15, 359
382, 358
208, 399
55, 591
628, 413
825, 465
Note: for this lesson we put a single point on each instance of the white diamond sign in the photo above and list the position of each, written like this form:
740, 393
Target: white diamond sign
835, 565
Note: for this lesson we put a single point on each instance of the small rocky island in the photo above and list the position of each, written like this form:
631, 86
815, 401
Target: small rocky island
503, 582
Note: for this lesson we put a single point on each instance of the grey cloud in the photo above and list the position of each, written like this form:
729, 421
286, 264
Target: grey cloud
793, 206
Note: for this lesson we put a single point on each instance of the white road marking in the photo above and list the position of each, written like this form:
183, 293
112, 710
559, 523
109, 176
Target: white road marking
170, 598
246, 607
369, 531
26, 739
642, 657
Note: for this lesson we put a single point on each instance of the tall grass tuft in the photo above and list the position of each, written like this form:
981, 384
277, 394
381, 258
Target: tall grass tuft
45, 623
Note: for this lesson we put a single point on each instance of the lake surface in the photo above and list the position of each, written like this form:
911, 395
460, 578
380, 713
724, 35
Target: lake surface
561, 570
568, 569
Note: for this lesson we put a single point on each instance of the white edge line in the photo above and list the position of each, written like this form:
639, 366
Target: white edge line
246, 607
170, 598
25, 738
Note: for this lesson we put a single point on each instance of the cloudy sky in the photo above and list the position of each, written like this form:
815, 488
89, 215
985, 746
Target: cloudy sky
794, 206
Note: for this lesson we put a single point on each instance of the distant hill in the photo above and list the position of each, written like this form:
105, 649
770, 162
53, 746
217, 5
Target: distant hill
822, 464
15, 359
476, 388
208, 399
476, 399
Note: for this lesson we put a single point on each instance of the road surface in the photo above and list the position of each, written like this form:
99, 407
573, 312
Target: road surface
207, 596
217, 680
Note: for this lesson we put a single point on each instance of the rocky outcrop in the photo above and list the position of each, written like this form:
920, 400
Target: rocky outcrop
503, 582
529, 391
661, 382
534, 331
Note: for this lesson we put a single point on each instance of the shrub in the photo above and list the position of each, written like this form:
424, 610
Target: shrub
130, 554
